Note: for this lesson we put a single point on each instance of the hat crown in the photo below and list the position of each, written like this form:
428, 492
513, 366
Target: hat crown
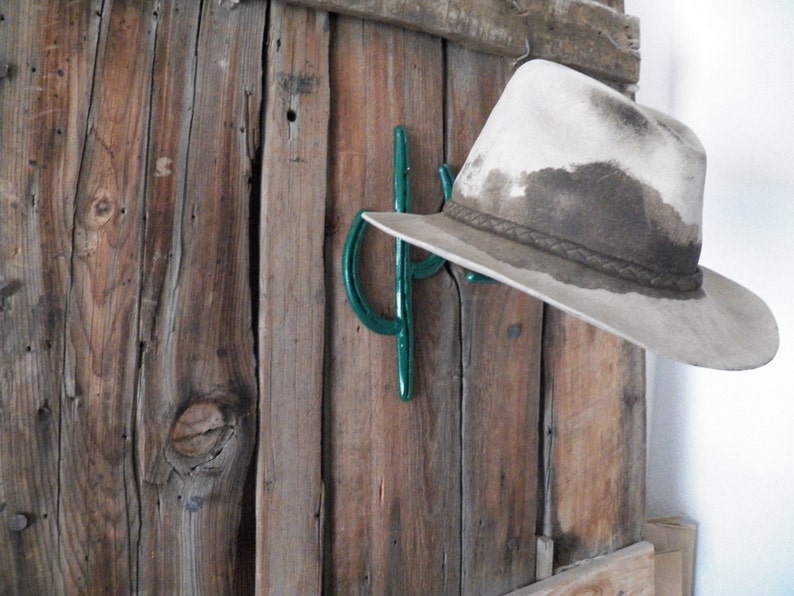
568, 164
580, 197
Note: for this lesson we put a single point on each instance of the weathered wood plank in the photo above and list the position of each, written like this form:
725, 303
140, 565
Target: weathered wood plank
292, 303
501, 335
594, 428
587, 36
173, 89
195, 425
98, 507
50, 51
616, 4
627, 571
584, 34
394, 493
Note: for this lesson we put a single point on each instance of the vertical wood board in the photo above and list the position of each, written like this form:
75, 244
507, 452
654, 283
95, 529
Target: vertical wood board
98, 507
393, 504
50, 53
595, 439
501, 341
292, 303
196, 414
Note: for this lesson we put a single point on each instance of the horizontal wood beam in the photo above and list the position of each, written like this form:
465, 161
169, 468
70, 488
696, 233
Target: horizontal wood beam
584, 34
626, 571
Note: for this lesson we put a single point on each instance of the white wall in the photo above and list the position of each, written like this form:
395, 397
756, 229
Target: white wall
721, 444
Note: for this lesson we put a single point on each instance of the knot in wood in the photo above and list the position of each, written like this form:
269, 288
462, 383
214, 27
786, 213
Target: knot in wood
203, 428
99, 212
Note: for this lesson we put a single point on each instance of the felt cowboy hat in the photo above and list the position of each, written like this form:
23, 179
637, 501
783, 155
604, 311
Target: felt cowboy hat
582, 198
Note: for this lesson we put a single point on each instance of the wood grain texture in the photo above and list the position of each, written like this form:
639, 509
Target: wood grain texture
501, 343
292, 303
585, 34
98, 508
627, 571
394, 498
130, 378
126, 427
618, 5
594, 424
196, 412
44, 102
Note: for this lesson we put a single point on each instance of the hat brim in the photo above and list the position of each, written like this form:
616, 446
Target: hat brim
722, 325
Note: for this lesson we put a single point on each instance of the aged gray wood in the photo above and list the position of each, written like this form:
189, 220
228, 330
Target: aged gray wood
98, 506
196, 422
584, 34
594, 425
587, 36
292, 303
49, 51
128, 389
626, 571
393, 468
126, 413
594, 439
501, 341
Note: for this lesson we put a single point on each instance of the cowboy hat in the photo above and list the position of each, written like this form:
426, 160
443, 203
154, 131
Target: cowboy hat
592, 203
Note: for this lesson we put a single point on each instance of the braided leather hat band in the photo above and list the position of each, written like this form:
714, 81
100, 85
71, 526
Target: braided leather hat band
610, 265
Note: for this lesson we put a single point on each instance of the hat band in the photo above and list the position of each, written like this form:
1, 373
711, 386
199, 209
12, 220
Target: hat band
615, 266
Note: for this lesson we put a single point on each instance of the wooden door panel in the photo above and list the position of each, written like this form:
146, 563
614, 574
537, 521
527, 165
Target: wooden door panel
197, 386
176, 183
393, 467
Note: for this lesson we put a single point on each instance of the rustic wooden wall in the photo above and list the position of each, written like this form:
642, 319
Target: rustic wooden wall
128, 386
187, 402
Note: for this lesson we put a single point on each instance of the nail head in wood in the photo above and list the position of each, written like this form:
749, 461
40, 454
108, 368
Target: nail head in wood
18, 522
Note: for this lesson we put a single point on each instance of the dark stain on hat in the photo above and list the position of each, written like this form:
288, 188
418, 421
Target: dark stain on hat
561, 269
601, 208
626, 115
